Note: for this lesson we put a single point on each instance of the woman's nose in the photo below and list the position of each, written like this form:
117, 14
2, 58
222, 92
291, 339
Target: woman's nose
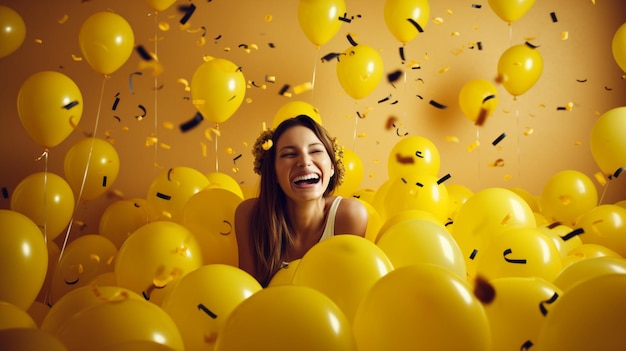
304, 159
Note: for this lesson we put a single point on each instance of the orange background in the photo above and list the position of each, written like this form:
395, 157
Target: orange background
579, 70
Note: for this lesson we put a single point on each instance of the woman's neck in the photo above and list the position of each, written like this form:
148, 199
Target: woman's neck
307, 218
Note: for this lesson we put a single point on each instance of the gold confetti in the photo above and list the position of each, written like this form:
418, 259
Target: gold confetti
473, 145
164, 26
203, 149
362, 135
268, 144
497, 163
63, 19
38, 41
452, 139
455, 34
184, 82
507, 176
229, 151
437, 20
600, 178
168, 125
94, 258
207, 58
448, 11
165, 146
150, 141
444, 70
76, 58
564, 35
578, 143
528, 131
299, 89
371, 175
268, 18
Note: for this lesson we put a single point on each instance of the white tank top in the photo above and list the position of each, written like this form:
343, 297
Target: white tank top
329, 228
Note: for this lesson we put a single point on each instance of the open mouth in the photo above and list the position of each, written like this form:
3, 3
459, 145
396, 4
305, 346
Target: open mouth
306, 179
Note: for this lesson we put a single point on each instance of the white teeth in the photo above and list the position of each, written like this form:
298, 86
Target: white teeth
310, 176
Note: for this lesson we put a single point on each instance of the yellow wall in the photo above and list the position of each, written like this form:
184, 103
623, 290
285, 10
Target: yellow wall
559, 139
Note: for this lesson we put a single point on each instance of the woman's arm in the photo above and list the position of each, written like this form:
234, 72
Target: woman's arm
351, 217
242, 232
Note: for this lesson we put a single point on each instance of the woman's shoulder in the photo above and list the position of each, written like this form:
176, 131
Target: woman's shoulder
245, 207
351, 217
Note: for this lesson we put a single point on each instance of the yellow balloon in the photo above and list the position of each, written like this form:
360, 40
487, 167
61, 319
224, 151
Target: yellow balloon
218, 88
405, 19
422, 241
49, 105
54, 252
511, 11
404, 216
365, 194
519, 252
605, 225
91, 166
210, 216
344, 268
589, 316
295, 108
413, 155
309, 321
353, 174
202, 300
618, 47
374, 221
421, 306
155, 256
478, 99
171, 189
421, 192
224, 181
121, 218
23, 259
13, 31
80, 299
106, 41
485, 215
284, 276
27, 339
583, 270
608, 146
458, 195
83, 259
119, 322
562, 237
586, 251
160, 5
359, 70
319, 19
519, 68
518, 310
13, 316
566, 196
47, 200
531, 200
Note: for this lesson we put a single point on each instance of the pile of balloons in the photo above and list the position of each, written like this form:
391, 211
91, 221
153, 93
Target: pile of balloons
440, 268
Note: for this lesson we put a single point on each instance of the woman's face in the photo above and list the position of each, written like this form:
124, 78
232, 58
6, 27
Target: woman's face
303, 166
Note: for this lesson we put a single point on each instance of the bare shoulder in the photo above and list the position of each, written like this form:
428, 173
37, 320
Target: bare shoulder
245, 208
351, 217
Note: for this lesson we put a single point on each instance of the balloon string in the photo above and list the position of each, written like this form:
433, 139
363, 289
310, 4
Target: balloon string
478, 162
44, 155
317, 54
603, 193
156, 109
84, 180
217, 165
519, 152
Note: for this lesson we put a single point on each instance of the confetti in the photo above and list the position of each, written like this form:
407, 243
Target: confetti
553, 17
437, 105
600, 178
299, 89
394, 76
5, 193
70, 105
497, 163
63, 19
188, 10
143, 53
530, 45
192, 123
163, 196
572, 234
452, 139
117, 101
390, 123
130, 81
384, 99
618, 172
476, 6
331, 56
498, 139
143, 112
564, 35
444, 178
437, 20
416, 25
283, 90
401, 51
351, 40
473, 145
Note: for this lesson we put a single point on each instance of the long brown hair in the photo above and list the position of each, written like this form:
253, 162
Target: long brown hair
271, 232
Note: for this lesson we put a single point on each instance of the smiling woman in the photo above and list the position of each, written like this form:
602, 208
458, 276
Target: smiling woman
300, 167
